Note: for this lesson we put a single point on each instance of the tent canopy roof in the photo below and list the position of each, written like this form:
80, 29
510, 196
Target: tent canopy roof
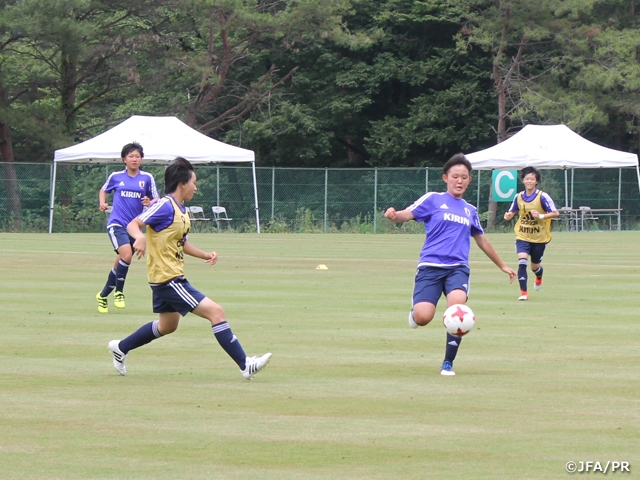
549, 146
162, 138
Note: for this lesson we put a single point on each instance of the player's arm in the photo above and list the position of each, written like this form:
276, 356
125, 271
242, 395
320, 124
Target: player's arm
148, 200
509, 214
544, 215
399, 216
550, 210
485, 245
102, 201
208, 257
152, 193
135, 230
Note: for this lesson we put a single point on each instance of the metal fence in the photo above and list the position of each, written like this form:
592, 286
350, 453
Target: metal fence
296, 200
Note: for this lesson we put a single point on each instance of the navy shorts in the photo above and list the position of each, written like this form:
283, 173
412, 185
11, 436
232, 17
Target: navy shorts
176, 295
119, 237
432, 282
534, 250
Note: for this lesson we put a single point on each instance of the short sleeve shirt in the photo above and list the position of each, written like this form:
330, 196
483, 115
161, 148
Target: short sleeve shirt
449, 224
127, 195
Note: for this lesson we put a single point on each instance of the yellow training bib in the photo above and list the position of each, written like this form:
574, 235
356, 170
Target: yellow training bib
165, 249
528, 228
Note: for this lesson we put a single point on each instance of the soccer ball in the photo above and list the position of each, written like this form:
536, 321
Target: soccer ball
458, 320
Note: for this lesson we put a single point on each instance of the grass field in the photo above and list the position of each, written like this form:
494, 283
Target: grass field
351, 392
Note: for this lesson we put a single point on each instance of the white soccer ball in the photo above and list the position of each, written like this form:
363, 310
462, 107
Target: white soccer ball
458, 320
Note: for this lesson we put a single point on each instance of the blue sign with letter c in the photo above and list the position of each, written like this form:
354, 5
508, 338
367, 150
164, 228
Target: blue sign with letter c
504, 185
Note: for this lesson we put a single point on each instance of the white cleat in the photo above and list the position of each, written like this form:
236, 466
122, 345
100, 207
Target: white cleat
446, 369
253, 365
118, 357
412, 322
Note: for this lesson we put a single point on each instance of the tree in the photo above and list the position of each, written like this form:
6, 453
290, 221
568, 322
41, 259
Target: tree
521, 37
595, 86
81, 43
56, 59
444, 100
8, 39
393, 91
227, 53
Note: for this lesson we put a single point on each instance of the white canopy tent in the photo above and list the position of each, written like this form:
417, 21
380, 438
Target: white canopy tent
163, 139
551, 147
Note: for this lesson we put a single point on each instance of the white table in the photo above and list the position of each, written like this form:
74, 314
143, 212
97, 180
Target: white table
577, 219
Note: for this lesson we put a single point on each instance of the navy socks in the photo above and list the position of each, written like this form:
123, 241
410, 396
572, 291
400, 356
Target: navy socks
230, 343
453, 343
110, 285
522, 274
539, 271
149, 332
140, 337
121, 275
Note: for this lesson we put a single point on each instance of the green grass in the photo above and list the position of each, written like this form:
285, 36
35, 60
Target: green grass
351, 392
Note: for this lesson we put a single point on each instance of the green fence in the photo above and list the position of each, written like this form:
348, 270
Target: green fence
295, 200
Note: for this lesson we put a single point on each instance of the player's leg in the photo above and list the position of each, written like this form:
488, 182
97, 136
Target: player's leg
213, 312
421, 314
427, 290
523, 250
102, 295
169, 305
537, 252
453, 343
167, 323
125, 255
457, 291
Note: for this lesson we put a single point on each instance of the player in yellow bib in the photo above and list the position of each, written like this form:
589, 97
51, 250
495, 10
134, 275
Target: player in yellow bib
165, 244
535, 210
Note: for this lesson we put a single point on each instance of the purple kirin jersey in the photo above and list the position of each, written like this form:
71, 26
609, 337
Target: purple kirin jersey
545, 199
127, 195
449, 223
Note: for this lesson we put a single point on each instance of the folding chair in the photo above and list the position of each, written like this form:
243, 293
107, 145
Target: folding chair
568, 217
220, 215
586, 215
196, 215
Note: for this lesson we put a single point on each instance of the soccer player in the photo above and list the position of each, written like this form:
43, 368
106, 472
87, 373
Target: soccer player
165, 244
132, 191
533, 227
449, 223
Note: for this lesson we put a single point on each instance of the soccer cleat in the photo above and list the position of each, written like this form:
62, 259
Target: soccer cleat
253, 365
412, 322
524, 296
447, 369
103, 307
537, 284
118, 299
118, 357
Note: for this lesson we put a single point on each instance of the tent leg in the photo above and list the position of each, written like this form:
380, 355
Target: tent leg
255, 196
53, 196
